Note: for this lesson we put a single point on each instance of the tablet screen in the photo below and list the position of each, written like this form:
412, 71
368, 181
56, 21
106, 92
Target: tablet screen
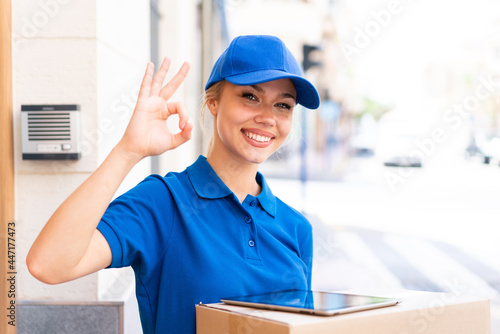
326, 302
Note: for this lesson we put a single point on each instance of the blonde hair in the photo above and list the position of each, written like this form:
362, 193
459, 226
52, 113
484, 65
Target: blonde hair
214, 92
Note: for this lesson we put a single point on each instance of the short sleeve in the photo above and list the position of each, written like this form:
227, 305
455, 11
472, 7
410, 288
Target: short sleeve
137, 224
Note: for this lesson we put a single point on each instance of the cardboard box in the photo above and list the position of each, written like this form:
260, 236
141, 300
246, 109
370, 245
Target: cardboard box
420, 312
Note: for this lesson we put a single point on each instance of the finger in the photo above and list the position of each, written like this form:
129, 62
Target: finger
164, 111
186, 132
146, 80
175, 82
179, 109
160, 77
183, 136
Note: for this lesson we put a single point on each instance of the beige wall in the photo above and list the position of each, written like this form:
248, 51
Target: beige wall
54, 63
73, 52
91, 53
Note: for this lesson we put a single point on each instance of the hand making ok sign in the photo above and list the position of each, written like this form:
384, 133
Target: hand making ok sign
147, 133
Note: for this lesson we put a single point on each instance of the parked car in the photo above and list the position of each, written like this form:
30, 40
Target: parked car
488, 147
365, 138
398, 134
397, 151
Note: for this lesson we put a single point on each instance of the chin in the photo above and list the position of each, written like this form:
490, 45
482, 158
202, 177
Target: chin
257, 157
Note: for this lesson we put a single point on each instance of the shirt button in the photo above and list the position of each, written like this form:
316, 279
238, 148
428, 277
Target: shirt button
248, 220
253, 203
251, 243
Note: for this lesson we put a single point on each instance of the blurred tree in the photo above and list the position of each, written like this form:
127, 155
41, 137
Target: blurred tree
373, 108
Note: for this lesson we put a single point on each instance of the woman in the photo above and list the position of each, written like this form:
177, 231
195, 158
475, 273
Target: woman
211, 231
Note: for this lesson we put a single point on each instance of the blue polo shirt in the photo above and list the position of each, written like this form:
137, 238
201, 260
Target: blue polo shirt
190, 241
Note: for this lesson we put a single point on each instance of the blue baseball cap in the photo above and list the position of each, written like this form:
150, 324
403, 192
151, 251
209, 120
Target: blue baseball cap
251, 60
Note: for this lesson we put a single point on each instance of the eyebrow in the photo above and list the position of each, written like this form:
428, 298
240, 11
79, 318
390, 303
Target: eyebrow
283, 95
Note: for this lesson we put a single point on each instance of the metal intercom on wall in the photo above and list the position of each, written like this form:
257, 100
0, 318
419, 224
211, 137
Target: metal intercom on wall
50, 132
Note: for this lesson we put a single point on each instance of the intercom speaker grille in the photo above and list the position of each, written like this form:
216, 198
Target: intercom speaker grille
51, 131
49, 126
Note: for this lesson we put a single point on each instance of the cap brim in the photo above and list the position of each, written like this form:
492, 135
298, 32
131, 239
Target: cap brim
307, 95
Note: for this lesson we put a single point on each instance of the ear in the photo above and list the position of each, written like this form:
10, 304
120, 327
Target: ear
213, 106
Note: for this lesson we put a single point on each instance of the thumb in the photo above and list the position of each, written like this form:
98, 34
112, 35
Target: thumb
183, 136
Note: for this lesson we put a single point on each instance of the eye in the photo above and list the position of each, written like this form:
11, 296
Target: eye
249, 96
285, 106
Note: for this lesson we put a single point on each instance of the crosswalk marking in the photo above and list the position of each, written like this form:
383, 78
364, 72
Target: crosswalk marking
474, 263
361, 254
357, 257
488, 256
439, 267
410, 276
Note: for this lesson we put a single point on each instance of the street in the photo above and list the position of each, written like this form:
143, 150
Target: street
455, 202
435, 231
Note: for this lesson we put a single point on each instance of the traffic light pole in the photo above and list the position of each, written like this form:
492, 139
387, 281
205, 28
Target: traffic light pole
307, 63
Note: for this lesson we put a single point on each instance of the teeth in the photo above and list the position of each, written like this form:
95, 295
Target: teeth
258, 138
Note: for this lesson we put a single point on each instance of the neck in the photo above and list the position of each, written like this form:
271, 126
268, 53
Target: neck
237, 176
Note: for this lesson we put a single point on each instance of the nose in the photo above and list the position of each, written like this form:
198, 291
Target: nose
266, 116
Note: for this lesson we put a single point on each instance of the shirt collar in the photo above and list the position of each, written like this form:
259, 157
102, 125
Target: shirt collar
266, 197
205, 181
207, 184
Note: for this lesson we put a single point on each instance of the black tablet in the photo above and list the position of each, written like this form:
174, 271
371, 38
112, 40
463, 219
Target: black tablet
312, 302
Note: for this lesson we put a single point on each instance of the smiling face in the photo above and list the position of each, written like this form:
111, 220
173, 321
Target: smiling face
252, 122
